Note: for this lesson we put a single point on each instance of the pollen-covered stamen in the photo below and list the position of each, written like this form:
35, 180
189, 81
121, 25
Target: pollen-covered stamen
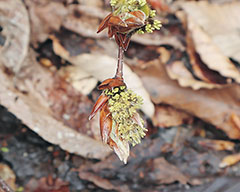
123, 105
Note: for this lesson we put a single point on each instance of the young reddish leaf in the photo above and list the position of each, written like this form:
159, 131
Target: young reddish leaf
117, 21
104, 24
111, 83
98, 105
105, 123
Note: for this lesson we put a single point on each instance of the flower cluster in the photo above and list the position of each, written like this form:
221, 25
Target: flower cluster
128, 17
120, 123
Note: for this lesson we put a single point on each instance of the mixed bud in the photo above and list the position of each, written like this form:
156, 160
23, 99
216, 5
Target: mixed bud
120, 122
128, 17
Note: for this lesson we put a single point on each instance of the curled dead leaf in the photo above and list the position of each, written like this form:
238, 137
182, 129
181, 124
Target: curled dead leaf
45, 17
215, 44
33, 109
165, 173
199, 69
97, 180
230, 160
15, 31
218, 145
214, 106
177, 71
7, 174
79, 20
167, 116
79, 79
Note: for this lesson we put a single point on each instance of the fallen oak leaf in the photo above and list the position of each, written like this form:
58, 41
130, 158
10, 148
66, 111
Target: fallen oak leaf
179, 67
97, 180
214, 106
101, 182
167, 116
165, 173
235, 120
199, 69
7, 174
15, 30
208, 41
34, 111
48, 184
79, 79
84, 20
177, 71
224, 34
218, 145
230, 160
45, 17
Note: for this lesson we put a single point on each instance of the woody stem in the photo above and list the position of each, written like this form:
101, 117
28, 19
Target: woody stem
119, 72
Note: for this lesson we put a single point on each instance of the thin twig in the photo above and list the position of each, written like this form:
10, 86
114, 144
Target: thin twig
119, 72
4, 186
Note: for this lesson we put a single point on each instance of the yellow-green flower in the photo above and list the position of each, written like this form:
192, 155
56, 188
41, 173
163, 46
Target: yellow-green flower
124, 105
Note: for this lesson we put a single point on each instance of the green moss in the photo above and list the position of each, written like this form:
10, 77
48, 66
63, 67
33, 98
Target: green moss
4, 149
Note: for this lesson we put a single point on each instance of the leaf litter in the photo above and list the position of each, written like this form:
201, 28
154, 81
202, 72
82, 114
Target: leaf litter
169, 68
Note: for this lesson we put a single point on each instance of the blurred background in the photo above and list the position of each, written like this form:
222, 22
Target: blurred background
51, 62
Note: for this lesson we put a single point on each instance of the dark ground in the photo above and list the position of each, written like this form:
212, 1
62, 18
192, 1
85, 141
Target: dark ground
35, 161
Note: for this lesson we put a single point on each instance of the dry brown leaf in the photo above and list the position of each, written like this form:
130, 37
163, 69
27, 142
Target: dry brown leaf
177, 71
235, 120
216, 44
47, 184
7, 174
84, 20
157, 39
199, 69
71, 107
167, 116
79, 79
97, 180
15, 32
102, 67
230, 160
165, 173
225, 18
92, 3
101, 182
218, 145
213, 106
197, 76
45, 17
34, 111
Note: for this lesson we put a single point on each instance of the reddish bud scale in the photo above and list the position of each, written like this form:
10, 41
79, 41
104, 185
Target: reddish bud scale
111, 83
121, 28
105, 123
102, 106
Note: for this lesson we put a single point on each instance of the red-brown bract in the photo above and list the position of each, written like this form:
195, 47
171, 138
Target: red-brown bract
122, 28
